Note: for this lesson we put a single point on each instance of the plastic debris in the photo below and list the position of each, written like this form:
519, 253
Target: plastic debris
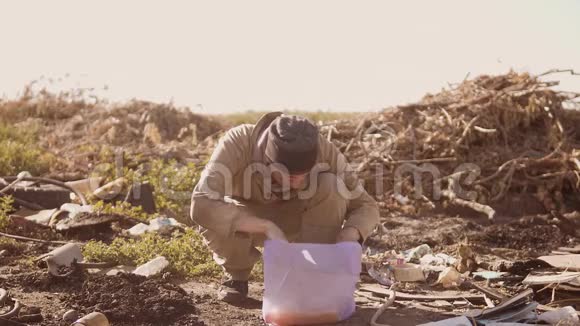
110, 190
408, 273
457, 321
85, 186
414, 255
450, 277
562, 315
70, 316
75, 209
63, 256
437, 260
152, 267
383, 275
92, 319
161, 225
489, 275
138, 229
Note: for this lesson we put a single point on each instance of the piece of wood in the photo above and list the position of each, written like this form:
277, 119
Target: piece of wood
17, 237
575, 250
489, 292
426, 160
564, 262
381, 291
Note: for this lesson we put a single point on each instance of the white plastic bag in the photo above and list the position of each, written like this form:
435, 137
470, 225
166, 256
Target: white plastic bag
309, 283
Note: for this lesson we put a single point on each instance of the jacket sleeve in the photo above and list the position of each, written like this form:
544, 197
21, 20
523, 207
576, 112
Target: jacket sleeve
211, 203
362, 211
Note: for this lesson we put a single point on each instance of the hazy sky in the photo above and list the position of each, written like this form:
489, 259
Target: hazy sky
237, 55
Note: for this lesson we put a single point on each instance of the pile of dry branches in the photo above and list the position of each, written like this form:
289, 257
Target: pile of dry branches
482, 142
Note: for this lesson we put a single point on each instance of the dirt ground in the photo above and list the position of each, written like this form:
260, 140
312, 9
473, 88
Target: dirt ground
132, 300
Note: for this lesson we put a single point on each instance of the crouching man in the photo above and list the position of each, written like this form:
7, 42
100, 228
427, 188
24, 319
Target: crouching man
277, 179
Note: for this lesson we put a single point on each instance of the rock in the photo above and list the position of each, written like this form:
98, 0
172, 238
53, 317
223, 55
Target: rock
152, 267
70, 316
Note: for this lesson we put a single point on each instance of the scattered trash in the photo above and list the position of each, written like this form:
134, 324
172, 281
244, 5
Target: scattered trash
569, 281
85, 186
160, 225
110, 190
382, 274
13, 304
450, 277
63, 256
408, 273
92, 319
381, 291
457, 321
519, 308
164, 225
564, 262
488, 275
440, 260
42, 217
414, 255
561, 316
76, 209
67, 258
152, 267
138, 229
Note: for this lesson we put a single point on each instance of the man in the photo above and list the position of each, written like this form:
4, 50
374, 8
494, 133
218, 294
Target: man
277, 179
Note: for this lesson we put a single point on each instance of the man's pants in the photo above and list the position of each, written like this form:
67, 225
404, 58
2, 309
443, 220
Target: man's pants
317, 219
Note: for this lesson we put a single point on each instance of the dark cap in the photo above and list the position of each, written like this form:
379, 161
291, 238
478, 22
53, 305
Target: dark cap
293, 142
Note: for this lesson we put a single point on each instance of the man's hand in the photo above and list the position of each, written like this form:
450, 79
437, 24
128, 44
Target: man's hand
252, 224
348, 234
273, 232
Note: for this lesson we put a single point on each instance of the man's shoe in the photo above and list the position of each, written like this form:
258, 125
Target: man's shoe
233, 291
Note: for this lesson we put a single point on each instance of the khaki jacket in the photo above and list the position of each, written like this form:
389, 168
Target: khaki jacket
230, 173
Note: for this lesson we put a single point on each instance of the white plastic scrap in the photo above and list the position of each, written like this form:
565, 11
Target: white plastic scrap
75, 209
457, 321
565, 314
152, 267
415, 254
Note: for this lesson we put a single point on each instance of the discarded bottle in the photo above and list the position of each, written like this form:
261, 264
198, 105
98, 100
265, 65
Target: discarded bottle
92, 319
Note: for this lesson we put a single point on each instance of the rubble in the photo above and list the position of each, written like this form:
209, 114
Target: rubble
508, 135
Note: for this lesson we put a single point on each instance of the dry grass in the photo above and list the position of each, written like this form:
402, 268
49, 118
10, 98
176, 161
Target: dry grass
233, 119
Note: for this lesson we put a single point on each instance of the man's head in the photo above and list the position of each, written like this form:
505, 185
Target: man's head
292, 143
